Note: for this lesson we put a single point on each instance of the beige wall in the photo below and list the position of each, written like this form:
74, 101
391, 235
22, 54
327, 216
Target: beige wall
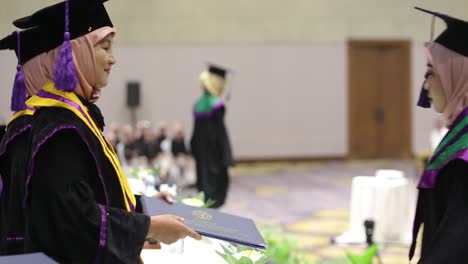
287, 100
256, 21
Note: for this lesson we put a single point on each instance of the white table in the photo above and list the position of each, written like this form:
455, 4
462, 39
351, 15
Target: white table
389, 201
193, 252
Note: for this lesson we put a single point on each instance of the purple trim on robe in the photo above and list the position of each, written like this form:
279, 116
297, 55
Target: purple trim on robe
57, 129
15, 238
216, 107
202, 114
428, 179
102, 232
132, 206
48, 95
19, 132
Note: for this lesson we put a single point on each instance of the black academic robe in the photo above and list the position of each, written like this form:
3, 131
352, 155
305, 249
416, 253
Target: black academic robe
211, 149
444, 210
13, 169
178, 147
151, 150
2, 131
75, 206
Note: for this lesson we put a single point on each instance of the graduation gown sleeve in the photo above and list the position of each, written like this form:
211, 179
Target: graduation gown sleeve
13, 169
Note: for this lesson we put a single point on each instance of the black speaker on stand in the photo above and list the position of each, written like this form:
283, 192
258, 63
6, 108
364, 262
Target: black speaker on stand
369, 228
133, 99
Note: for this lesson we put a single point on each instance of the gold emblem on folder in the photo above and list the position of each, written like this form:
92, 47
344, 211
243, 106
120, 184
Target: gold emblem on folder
202, 215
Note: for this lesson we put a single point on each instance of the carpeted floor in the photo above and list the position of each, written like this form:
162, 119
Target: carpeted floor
309, 200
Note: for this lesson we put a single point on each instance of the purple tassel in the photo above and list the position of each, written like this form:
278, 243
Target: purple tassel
424, 101
64, 68
19, 86
19, 92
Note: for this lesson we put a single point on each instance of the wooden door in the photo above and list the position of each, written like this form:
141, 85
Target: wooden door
379, 99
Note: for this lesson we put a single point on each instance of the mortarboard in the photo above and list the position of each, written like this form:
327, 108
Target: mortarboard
59, 23
84, 16
217, 70
454, 38
221, 72
31, 44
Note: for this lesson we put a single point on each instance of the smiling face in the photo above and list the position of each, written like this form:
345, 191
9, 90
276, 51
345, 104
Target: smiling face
104, 61
436, 93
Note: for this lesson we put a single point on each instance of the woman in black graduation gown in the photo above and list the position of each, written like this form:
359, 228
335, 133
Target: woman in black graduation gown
14, 146
443, 187
210, 144
79, 207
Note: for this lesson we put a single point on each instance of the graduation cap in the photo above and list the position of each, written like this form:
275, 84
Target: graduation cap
221, 72
26, 44
213, 79
217, 70
31, 44
454, 38
62, 22
84, 16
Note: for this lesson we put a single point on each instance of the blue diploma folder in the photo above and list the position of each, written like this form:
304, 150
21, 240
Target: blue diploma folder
36, 258
209, 222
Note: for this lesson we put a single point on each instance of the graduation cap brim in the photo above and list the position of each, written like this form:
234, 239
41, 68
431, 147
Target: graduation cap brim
44, 30
85, 16
218, 70
444, 17
455, 36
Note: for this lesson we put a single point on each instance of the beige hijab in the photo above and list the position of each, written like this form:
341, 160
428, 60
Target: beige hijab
453, 70
40, 69
33, 75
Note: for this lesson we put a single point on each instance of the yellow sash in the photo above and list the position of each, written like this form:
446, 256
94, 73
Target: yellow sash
19, 114
37, 101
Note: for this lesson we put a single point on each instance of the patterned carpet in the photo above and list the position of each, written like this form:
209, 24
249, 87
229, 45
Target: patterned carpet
310, 201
